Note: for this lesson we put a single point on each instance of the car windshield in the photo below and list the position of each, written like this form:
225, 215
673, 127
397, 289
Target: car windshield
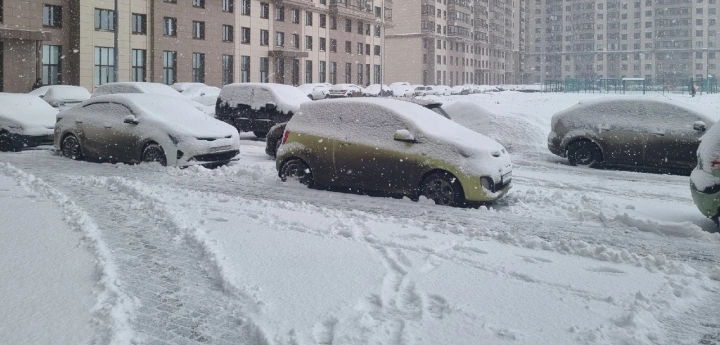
356, 172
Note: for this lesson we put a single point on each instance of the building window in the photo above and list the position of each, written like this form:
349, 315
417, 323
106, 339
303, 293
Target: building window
279, 39
198, 3
227, 33
333, 23
138, 65
104, 19
104, 65
360, 27
169, 67
228, 6
322, 44
367, 29
245, 10
360, 49
348, 73
333, 45
295, 16
323, 21
170, 26
170, 1
308, 18
51, 66
139, 24
377, 30
52, 16
264, 37
198, 68
348, 47
348, 25
264, 10
280, 14
377, 50
308, 43
244, 69
264, 68
333, 72
321, 71
245, 35
228, 69
280, 70
295, 41
308, 71
378, 78
367, 49
359, 74
198, 30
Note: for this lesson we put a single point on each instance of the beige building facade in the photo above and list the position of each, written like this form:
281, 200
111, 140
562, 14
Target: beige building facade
212, 41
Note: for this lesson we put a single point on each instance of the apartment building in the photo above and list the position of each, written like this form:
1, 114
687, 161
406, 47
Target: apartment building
454, 42
212, 41
663, 39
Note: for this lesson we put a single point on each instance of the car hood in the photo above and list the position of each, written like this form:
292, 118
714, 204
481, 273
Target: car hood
206, 127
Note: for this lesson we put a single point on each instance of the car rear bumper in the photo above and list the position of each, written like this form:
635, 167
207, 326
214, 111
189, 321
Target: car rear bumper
554, 145
19, 140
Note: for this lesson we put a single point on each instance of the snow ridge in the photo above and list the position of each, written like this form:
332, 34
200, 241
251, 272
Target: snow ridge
114, 309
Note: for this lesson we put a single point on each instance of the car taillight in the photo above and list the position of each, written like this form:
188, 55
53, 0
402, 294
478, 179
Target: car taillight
715, 164
285, 136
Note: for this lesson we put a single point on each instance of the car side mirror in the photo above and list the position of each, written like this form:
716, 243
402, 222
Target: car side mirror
699, 126
270, 106
404, 135
131, 120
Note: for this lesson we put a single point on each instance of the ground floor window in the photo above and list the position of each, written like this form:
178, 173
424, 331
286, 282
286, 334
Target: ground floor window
198, 68
308, 71
51, 66
377, 75
244, 69
264, 68
169, 67
138, 65
321, 71
104, 65
227, 69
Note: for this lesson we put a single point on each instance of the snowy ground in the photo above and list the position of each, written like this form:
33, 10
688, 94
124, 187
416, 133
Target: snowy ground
234, 256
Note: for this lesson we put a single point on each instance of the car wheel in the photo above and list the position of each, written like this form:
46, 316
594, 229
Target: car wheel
442, 188
584, 153
5, 142
260, 134
277, 146
295, 168
154, 153
71, 148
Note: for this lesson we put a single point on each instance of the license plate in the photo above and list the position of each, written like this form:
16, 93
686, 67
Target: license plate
507, 176
220, 148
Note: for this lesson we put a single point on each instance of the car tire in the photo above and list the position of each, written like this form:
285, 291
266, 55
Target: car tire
154, 153
584, 152
295, 168
260, 134
6, 143
71, 147
442, 188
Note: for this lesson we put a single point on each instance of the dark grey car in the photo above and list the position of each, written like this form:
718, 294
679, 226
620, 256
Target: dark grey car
628, 132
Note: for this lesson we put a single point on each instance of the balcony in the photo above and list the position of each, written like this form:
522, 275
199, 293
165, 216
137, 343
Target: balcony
352, 8
297, 3
287, 53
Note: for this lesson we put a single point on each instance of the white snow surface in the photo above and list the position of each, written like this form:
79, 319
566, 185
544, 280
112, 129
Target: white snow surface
571, 255
26, 114
285, 97
66, 93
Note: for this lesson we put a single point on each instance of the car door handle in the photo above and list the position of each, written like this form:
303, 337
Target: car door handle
659, 134
78, 122
108, 126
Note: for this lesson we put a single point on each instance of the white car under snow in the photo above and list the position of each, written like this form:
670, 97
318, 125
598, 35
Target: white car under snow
142, 87
25, 121
61, 96
137, 128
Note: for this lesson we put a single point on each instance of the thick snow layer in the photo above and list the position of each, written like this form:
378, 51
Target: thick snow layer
46, 277
142, 87
26, 114
285, 97
182, 87
374, 89
203, 94
514, 133
66, 93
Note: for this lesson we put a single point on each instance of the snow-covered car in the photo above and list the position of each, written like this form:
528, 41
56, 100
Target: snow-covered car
424, 90
402, 89
203, 94
513, 132
315, 91
345, 90
143, 87
442, 90
377, 90
180, 87
459, 90
136, 128
256, 107
25, 121
628, 132
61, 96
394, 147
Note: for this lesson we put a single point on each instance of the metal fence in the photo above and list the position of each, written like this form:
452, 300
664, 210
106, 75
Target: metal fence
634, 85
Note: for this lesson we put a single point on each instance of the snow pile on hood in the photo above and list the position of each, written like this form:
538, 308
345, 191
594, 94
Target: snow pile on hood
181, 87
513, 132
135, 87
65, 93
286, 98
30, 112
374, 89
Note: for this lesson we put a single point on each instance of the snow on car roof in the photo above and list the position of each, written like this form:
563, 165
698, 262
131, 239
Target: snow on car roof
25, 108
646, 103
287, 98
136, 87
66, 93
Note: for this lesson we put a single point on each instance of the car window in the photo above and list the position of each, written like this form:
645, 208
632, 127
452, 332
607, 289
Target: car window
108, 110
370, 124
672, 118
261, 93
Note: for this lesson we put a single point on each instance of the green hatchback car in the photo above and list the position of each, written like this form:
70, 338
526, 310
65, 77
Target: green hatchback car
393, 147
705, 179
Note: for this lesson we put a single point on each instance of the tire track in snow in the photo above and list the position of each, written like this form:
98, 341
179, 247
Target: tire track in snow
114, 308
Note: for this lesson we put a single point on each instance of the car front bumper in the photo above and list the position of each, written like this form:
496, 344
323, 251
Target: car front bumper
708, 199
